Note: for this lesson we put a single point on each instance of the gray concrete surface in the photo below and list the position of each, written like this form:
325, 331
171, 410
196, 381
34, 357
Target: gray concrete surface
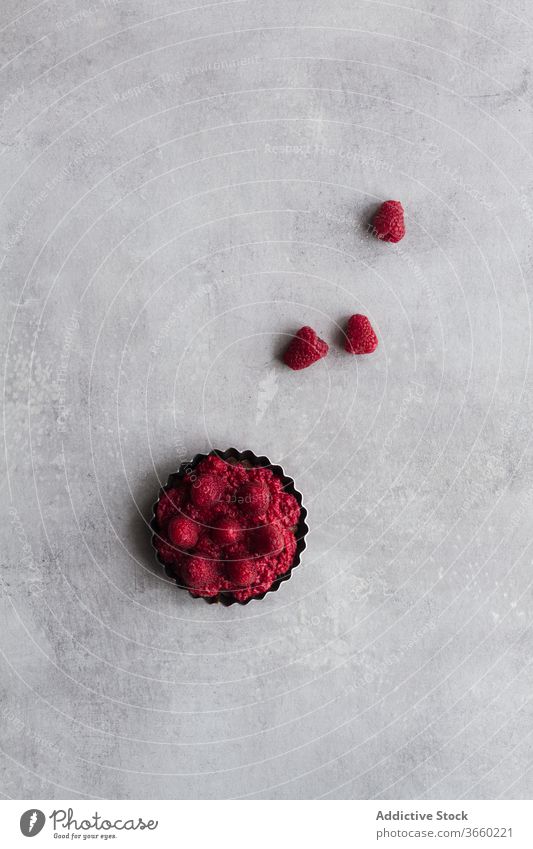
183, 185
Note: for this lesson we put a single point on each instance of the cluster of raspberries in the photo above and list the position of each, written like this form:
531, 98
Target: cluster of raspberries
307, 347
226, 528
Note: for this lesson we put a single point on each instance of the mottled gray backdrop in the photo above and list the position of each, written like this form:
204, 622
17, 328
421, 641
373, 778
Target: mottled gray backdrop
183, 185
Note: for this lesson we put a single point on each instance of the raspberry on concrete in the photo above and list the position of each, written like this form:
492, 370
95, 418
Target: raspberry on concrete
388, 224
360, 336
305, 349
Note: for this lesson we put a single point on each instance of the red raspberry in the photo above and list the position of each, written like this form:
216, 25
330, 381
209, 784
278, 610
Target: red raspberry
166, 552
290, 510
268, 539
206, 547
226, 531
290, 547
241, 573
388, 223
200, 573
250, 592
360, 336
239, 551
183, 532
254, 499
305, 349
212, 464
168, 505
207, 490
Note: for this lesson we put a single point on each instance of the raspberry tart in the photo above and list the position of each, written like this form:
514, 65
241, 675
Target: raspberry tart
229, 527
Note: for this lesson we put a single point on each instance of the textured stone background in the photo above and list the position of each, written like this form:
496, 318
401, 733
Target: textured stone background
182, 185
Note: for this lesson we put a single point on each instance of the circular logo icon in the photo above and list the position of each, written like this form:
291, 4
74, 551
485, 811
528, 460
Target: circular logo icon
32, 822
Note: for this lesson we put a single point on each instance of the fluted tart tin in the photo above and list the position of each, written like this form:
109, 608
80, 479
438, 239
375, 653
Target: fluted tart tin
194, 552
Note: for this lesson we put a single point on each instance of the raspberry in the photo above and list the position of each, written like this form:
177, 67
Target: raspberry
241, 573
226, 531
169, 504
290, 510
166, 552
182, 532
388, 223
239, 551
290, 547
207, 490
200, 573
268, 539
305, 349
360, 336
206, 547
213, 464
250, 592
254, 499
